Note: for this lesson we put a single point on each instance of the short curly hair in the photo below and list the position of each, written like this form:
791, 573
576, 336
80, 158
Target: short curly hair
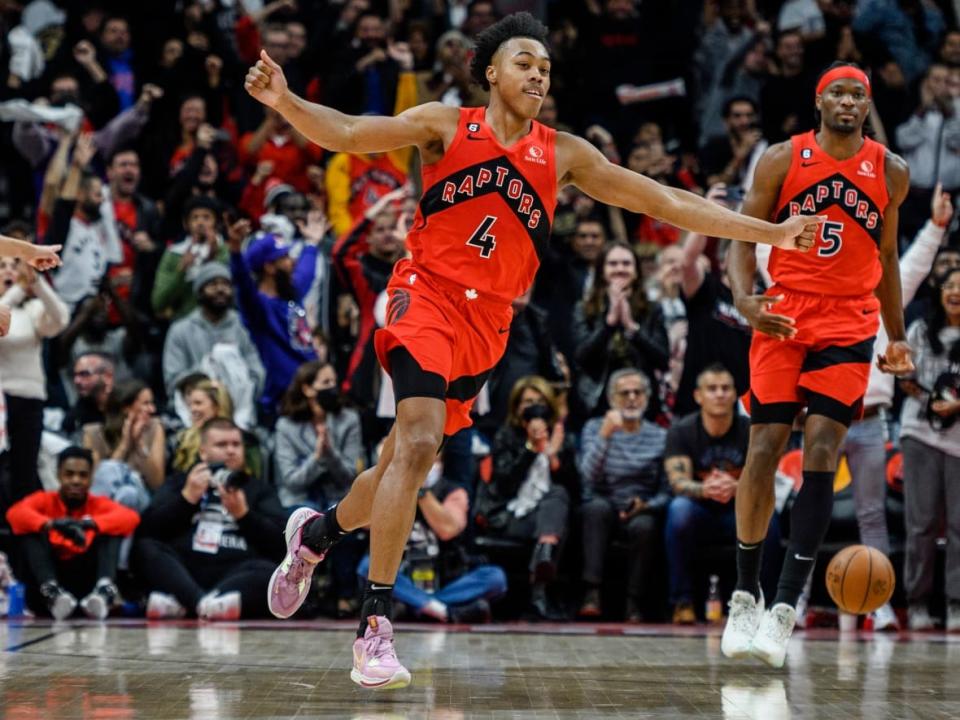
521, 24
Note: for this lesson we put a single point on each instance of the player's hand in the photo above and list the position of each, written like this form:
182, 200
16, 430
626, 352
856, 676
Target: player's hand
265, 81
799, 232
756, 309
897, 359
43, 257
941, 208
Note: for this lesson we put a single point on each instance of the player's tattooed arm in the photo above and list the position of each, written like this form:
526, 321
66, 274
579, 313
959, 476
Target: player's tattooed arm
680, 474
580, 163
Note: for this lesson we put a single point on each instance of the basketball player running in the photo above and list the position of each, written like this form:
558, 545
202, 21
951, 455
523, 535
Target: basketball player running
813, 340
490, 179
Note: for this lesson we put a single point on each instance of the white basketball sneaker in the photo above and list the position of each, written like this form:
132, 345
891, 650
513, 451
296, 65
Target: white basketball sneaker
742, 623
773, 635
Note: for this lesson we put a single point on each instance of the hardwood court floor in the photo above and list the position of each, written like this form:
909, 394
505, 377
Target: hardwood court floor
130, 669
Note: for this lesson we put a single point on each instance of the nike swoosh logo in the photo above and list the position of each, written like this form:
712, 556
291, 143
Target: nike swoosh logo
868, 312
798, 556
808, 164
503, 330
474, 137
380, 587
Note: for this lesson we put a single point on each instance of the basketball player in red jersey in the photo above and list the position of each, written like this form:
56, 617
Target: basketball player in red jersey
813, 339
490, 179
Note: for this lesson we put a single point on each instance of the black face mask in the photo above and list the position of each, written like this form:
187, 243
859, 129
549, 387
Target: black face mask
329, 399
66, 98
537, 410
91, 210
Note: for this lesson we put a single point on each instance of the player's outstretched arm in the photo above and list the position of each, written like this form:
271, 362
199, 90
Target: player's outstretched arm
331, 129
41, 257
584, 166
896, 357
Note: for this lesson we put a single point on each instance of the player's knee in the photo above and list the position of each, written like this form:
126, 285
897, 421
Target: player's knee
820, 452
418, 449
763, 458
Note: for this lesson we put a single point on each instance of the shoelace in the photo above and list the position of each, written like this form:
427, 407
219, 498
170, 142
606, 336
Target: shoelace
742, 615
381, 648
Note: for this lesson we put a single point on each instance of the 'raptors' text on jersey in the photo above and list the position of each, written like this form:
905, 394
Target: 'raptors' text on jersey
486, 210
852, 195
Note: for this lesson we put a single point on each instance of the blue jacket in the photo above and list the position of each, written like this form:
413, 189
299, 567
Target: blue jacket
277, 327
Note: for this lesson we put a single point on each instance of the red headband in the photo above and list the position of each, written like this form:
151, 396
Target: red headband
844, 72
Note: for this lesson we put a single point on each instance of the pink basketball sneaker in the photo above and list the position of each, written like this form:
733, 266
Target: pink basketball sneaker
290, 582
375, 663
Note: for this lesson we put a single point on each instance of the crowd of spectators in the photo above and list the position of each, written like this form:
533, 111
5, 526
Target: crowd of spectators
202, 363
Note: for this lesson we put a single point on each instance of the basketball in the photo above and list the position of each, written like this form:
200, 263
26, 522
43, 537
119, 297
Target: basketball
860, 579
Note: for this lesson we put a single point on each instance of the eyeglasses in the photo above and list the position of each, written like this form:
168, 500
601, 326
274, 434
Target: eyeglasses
629, 392
87, 373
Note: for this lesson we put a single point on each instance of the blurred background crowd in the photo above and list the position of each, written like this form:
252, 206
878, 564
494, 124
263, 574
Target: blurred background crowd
203, 363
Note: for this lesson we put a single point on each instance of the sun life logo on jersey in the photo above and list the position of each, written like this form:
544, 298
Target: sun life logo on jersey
866, 169
535, 154
806, 153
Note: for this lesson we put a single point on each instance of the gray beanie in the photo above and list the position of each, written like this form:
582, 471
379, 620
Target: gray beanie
207, 272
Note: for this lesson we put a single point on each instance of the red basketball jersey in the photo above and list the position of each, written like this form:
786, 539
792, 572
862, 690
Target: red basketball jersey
486, 210
852, 195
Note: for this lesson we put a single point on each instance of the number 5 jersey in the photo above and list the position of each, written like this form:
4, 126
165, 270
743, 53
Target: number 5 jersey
852, 195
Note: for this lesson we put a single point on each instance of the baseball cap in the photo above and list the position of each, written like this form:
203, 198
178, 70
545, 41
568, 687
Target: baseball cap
265, 248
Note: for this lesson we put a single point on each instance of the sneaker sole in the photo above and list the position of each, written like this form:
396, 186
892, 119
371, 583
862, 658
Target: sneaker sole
760, 654
63, 608
294, 522
95, 608
400, 679
735, 654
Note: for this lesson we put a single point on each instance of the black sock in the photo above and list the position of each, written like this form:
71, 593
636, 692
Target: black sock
749, 558
809, 520
320, 533
377, 600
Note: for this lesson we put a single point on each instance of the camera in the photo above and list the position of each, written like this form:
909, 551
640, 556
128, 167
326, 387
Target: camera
226, 479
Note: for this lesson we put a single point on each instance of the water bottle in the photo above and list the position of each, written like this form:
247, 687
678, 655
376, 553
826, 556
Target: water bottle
18, 600
714, 613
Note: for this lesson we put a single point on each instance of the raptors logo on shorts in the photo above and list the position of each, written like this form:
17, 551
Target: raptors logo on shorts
398, 305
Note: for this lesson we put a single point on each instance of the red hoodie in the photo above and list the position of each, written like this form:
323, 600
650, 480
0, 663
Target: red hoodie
35, 510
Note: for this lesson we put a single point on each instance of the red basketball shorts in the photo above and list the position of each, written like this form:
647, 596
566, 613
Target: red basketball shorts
826, 364
454, 335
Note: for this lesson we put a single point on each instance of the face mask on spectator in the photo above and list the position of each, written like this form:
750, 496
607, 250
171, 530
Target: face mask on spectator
64, 98
91, 210
329, 399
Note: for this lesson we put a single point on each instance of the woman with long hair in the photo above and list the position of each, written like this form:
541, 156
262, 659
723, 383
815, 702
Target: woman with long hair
930, 439
129, 446
205, 400
317, 457
534, 483
616, 327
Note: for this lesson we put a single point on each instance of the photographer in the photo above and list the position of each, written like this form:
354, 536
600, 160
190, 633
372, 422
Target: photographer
534, 482
930, 436
211, 538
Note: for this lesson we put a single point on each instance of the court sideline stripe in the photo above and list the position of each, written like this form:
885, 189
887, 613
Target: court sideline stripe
28, 643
